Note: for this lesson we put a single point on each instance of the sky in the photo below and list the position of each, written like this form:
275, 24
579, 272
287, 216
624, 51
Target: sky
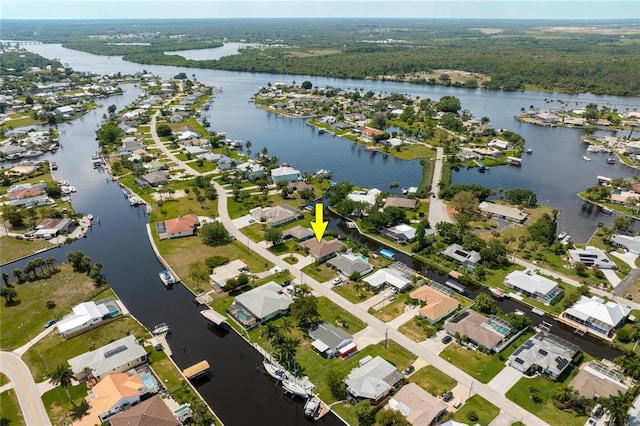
480, 9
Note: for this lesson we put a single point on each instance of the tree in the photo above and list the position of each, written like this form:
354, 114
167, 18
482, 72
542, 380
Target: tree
51, 305
465, 202
336, 384
213, 234
304, 310
273, 236
306, 85
364, 413
62, 376
495, 253
621, 223
307, 194
484, 303
397, 214
544, 229
13, 215
18, 274
51, 262
518, 322
392, 418
5, 279
112, 109
53, 190
617, 406
521, 196
449, 104
9, 294
164, 130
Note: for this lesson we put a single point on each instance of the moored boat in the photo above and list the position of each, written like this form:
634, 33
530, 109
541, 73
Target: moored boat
294, 388
498, 293
161, 328
585, 158
274, 371
561, 235
311, 407
167, 278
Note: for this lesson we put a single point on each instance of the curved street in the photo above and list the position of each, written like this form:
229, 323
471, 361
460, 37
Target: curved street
28, 394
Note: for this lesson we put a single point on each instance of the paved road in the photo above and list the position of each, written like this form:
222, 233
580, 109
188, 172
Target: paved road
437, 209
28, 394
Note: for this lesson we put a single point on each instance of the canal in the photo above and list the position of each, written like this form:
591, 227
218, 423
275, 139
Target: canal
237, 391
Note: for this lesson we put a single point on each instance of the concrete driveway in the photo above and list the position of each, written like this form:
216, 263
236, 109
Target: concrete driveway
243, 221
505, 379
628, 258
611, 277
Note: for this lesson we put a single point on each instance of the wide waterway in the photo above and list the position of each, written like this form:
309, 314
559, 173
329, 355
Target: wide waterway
238, 393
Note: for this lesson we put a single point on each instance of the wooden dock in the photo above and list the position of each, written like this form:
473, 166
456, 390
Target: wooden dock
165, 345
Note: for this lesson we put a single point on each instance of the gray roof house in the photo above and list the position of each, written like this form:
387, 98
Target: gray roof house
347, 264
285, 174
265, 302
327, 339
153, 179
545, 353
115, 357
533, 285
466, 258
373, 379
401, 233
592, 256
631, 244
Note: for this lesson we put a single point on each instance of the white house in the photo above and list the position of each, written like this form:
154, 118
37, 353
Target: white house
347, 264
469, 258
251, 170
401, 233
115, 357
64, 111
86, 316
368, 197
533, 285
265, 302
390, 277
596, 315
592, 256
500, 144
631, 244
285, 174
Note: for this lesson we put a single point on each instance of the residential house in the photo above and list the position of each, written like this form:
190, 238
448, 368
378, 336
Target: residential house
220, 275
152, 412
369, 134
115, 357
251, 170
285, 174
547, 117
113, 394
500, 144
64, 111
260, 304
50, 228
389, 277
298, 233
544, 353
437, 305
188, 134
629, 243
533, 285
153, 179
25, 193
403, 203
348, 264
467, 154
368, 197
86, 316
592, 256
486, 332
595, 316
322, 250
401, 233
226, 163
418, 406
275, 216
181, 226
328, 339
466, 258
373, 379
595, 380
12, 150
131, 144
503, 212
195, 150
38, 200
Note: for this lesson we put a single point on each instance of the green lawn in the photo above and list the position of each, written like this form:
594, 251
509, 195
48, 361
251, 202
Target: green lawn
418, 329
433, 380
57, 403
56, 350
12, 249
26, 318
485, 410
481, 366
320, 272
391, 309
333, 314
3, 379
354, 292
548, 412
10, 409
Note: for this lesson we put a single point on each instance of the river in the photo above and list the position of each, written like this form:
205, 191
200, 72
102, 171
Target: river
238, 393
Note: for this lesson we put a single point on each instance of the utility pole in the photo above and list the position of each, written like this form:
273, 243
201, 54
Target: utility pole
386, 336
470, 389
25, 330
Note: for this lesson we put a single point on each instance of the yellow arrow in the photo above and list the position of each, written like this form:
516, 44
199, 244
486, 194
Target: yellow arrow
319, 226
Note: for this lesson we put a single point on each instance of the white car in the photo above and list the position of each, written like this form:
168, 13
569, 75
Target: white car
336, 281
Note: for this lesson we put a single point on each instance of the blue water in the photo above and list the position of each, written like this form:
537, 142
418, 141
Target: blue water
148, 381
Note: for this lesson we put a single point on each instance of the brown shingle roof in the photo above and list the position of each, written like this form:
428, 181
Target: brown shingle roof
152, 412
181, 224
437, 304
405, 203
323, 248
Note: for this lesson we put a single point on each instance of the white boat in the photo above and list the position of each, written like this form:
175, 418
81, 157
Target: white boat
274, 371
90, 216
593, 148
65, 189
73, 189
612, 160
498, 293
294, 388
135, 201
518, 312
32, 153
529, 150
324, 173
561, 235
585, 158
65, 183
161, 328
607, 210
167, 277
311, 407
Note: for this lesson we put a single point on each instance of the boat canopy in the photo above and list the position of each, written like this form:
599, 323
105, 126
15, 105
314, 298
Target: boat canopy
213, 316
196, 370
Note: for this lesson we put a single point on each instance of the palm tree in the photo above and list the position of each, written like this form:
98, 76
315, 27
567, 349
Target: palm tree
62, 376
51, 305
51, 261
617, 406
5, 279
270, 331
286, 325
18, 274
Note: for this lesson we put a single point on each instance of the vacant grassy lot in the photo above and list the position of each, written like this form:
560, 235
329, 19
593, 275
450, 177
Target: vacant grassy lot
10, 408
337, 316
353, 291
433, 380
320, 272
66, 288
57, 404
391, 310
485, 410
520, 392
12, 249
56, 350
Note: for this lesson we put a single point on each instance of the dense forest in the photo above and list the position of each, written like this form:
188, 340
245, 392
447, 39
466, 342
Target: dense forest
601, 58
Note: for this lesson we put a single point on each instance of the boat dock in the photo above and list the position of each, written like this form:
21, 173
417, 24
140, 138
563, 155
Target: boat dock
213, 318
165, 345
514, 161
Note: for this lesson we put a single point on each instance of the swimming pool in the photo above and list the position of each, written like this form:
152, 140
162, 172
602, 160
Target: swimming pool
148, 381
359, 256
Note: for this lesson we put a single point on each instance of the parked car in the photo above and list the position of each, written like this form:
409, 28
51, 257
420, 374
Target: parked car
591, 422
446, 339
448, 396
336, 281
49, 323
20, 237
410, 369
